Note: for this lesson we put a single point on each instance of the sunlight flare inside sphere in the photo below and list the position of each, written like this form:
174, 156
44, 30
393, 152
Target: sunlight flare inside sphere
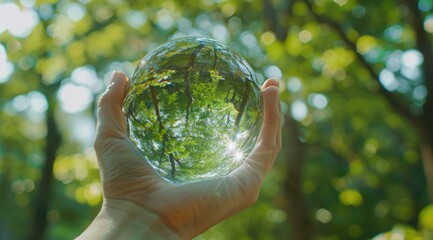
231, 146
193, 109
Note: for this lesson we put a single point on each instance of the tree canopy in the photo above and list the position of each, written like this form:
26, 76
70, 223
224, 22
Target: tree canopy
356, 90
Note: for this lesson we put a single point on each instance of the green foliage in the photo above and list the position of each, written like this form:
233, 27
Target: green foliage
362, 177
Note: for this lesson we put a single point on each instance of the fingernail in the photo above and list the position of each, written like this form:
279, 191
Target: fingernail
269, 83
277, 81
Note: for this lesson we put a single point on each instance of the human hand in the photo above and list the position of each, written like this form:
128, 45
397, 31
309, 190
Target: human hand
139, 203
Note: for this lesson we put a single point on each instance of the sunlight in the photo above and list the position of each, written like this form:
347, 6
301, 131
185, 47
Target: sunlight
425, 5
20, 103
34, 104
82, 129
275, 215
136, 19
340, 2
412, 58
74, 11
393, 62
220, 33
428, 24
305, 36
231, 146
74, 98
6, 68
248, 39
234, 152
323, 215
411, 73
318, 100
86, 76
394, 33
420, 92
267, 38
165, 19
273, 71
294, 84
20, 22
299, 110
388, 80
38, 105
390, 235
238, 156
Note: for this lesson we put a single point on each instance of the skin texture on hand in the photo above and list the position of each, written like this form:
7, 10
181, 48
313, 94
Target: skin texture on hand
139, 204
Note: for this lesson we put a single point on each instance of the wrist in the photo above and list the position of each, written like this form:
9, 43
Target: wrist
122, 219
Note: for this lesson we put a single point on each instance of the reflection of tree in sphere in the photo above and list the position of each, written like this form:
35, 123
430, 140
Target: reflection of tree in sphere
193, 109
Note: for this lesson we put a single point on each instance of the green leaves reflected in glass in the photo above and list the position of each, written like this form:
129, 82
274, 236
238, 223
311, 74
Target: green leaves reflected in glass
193, 109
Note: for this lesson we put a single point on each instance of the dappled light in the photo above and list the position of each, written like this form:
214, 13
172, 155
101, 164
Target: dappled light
323, 215
6, 67
17, 21
74, 98
355, 89
299, 110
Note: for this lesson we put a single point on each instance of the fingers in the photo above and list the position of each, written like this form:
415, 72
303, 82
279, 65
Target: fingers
271, 113
252, 172
279, 139
110, 124
110, 116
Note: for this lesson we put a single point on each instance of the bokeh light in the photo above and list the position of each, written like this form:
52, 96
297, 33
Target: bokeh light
74, 98
18, 22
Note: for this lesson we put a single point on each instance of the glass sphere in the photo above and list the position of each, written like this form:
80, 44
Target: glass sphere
193, 109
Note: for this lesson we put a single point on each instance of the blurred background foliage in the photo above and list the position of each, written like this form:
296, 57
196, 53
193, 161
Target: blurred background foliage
356, 90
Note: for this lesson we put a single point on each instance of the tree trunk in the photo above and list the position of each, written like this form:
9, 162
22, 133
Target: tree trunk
52, 143
427, 159
295, 205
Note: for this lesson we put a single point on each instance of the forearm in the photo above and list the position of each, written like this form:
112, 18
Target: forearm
120, 219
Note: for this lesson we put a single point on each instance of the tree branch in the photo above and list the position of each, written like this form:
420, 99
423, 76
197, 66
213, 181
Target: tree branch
396, 105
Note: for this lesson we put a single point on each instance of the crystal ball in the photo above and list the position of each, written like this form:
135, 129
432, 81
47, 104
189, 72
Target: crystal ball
193, 109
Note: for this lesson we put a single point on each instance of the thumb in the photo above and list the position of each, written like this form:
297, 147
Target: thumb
116, 153
110, 116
